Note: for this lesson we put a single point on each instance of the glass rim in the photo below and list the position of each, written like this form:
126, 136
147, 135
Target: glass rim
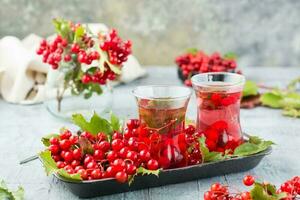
175, 97
240, 82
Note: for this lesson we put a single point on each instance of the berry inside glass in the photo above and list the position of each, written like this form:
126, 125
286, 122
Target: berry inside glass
218, 103
162, 112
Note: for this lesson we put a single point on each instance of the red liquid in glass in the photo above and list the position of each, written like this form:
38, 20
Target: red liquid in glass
166, 136
218, 118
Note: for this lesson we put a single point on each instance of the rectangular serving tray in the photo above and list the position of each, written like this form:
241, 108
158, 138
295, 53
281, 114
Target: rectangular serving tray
93, 188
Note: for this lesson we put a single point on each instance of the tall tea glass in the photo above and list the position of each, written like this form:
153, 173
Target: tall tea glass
162, 112
218, 103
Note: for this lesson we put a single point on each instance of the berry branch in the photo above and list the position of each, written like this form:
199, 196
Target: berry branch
290, 190
87, 60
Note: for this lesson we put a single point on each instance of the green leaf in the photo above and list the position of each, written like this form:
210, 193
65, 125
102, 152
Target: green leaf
115, 122
94, 126
5, 193
246, 149
48, 162
209, 156
271, 99
250, 89
72, 177
46, 138
292, 86
62, 27
51, 168
105, 60
265, 192
193, 51
253, 146
96, 88
79, 32
230, 56
88, 95
291, 112
142, 171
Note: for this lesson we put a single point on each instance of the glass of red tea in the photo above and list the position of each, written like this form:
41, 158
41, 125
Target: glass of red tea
162, 112
218, 109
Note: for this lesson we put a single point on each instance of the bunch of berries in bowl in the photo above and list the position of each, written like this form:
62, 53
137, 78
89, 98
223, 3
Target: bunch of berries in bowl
196, 61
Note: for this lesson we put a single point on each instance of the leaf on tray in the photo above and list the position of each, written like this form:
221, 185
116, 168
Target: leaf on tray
45, 139
94, 126
253, 146
50, 167
142, 171
281, 99
115, 122
5, 193
250, 89
207, 155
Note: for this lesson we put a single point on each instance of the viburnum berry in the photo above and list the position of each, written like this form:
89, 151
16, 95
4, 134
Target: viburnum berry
54, 140
152, 164
75, 48
111, 156
117, 144
246, 196
121, 176
64, 144
54, 149
248, 180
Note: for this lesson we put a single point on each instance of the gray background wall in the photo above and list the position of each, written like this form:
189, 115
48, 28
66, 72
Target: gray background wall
261, 32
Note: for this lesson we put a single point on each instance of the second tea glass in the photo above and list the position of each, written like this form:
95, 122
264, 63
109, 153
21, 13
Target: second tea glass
162, 112
218, 109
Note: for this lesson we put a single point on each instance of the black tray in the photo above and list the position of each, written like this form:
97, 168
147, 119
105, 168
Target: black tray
109, 186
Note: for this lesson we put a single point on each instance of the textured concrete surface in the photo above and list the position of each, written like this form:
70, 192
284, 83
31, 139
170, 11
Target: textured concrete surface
261, 32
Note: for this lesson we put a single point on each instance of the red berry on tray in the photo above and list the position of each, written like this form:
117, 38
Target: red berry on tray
121, 176
152, 164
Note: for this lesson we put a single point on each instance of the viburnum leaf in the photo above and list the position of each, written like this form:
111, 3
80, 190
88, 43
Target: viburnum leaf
253, 146
94, 126
190, 122
45, 139
271, 99
105, 60
250, 89
265, 192
115, 122
48, 162
79, 32
51, 168
143, 171
207, 155
5, 193
291, 112
193, 51
230, 55
292, 86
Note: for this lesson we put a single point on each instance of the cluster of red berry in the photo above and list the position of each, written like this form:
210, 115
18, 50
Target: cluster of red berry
218, 191
223, 99
292, 188
120, 157
82, 52
52, 52
118, 50
199, 62
99, 77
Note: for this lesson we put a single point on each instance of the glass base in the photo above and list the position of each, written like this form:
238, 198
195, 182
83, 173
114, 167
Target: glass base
101, 104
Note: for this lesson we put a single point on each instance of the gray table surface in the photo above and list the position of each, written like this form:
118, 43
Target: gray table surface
21, 128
